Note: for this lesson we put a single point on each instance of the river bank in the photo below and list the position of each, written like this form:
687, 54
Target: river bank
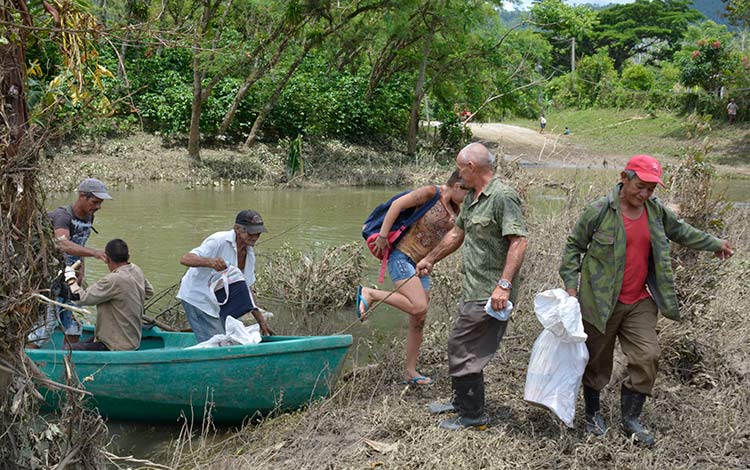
699, 411
143, 157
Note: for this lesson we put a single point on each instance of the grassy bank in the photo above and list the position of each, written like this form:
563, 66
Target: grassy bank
633, 131
700, 411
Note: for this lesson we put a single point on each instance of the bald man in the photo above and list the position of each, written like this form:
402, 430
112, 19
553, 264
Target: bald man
492, 226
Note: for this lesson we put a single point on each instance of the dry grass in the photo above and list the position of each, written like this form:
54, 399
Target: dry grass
318, 282
700, 411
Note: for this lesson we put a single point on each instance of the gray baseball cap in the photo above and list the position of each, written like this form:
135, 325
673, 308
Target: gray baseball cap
95, 187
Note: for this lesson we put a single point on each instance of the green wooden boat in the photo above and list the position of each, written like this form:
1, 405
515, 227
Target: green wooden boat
162, 380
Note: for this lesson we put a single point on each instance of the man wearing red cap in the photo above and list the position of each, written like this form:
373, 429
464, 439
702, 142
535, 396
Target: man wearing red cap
620, 247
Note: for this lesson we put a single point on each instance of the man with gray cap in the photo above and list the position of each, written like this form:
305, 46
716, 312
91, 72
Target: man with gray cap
217, 253
72, 226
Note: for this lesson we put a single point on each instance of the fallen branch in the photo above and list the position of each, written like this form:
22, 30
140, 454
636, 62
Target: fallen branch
153, 321
72, 308
38, 376
130, 459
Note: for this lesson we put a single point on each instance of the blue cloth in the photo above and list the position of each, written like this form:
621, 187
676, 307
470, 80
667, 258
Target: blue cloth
239, 303
204, 326
69, 325
401, 267
501, 315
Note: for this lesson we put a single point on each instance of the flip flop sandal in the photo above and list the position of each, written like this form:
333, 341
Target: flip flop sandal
421, 380
360, 300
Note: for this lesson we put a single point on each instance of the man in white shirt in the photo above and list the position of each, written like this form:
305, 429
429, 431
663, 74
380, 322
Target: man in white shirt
216, 253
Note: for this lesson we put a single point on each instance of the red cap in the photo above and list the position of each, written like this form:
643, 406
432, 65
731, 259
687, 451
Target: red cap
646, 167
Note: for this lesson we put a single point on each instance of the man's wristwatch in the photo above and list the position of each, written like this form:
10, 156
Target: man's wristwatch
504, 284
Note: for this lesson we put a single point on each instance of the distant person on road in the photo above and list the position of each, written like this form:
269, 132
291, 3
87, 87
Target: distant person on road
566, 131
216, 253
119, 298
542, 123
617, 262
413, 292
465, 114
732, 109
72, 225
492, 230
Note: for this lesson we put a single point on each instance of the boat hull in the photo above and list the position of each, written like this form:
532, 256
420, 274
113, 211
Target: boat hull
163, 381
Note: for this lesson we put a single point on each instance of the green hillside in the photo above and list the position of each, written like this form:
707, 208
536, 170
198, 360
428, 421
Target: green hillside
712, 9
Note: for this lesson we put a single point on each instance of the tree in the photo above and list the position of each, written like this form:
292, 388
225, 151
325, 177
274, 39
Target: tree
738, 13
447, 41
595, 79
335, 20
26, 252
636, 77
560, 24
709, 65
651, 27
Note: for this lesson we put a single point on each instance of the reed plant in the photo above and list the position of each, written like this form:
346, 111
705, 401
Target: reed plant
313, 284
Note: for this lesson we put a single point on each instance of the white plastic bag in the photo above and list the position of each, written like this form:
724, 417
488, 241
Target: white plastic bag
502, 315
559, 355
222, 279
236, 333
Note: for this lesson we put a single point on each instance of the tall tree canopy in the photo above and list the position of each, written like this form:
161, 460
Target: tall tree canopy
651, 27
560, 23
738, 12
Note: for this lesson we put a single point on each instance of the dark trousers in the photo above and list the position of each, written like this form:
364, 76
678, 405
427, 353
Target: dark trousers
635, 326
474, 339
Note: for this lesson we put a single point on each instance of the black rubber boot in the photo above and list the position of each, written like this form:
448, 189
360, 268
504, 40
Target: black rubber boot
594, 419
632, 405
450, 406
469, 402
440, 408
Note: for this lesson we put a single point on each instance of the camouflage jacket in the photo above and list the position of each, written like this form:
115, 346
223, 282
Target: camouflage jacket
596, 249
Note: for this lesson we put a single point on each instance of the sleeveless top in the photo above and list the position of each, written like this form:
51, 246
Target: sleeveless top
426, 233
80, 230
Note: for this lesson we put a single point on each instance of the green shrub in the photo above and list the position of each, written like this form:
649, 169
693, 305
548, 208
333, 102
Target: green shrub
328, 103
637, 77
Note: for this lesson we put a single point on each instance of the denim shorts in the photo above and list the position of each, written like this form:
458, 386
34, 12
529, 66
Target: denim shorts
401, 267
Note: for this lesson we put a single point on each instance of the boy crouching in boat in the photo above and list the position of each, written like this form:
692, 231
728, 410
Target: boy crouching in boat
119, 297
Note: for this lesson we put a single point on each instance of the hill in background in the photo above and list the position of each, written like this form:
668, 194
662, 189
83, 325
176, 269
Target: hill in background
711, 9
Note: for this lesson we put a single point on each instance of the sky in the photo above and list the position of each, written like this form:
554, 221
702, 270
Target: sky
525, 3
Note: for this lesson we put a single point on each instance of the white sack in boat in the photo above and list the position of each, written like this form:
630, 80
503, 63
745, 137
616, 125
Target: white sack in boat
236, 333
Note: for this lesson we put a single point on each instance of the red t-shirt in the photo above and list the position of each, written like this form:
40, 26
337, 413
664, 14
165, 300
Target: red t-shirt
637, 252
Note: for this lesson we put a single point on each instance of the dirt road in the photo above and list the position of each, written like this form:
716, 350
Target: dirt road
534, 149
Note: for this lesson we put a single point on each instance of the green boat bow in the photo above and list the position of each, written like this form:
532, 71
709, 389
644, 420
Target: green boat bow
163, 380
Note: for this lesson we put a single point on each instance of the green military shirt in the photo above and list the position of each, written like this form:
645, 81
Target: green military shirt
593, 260
487, 220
